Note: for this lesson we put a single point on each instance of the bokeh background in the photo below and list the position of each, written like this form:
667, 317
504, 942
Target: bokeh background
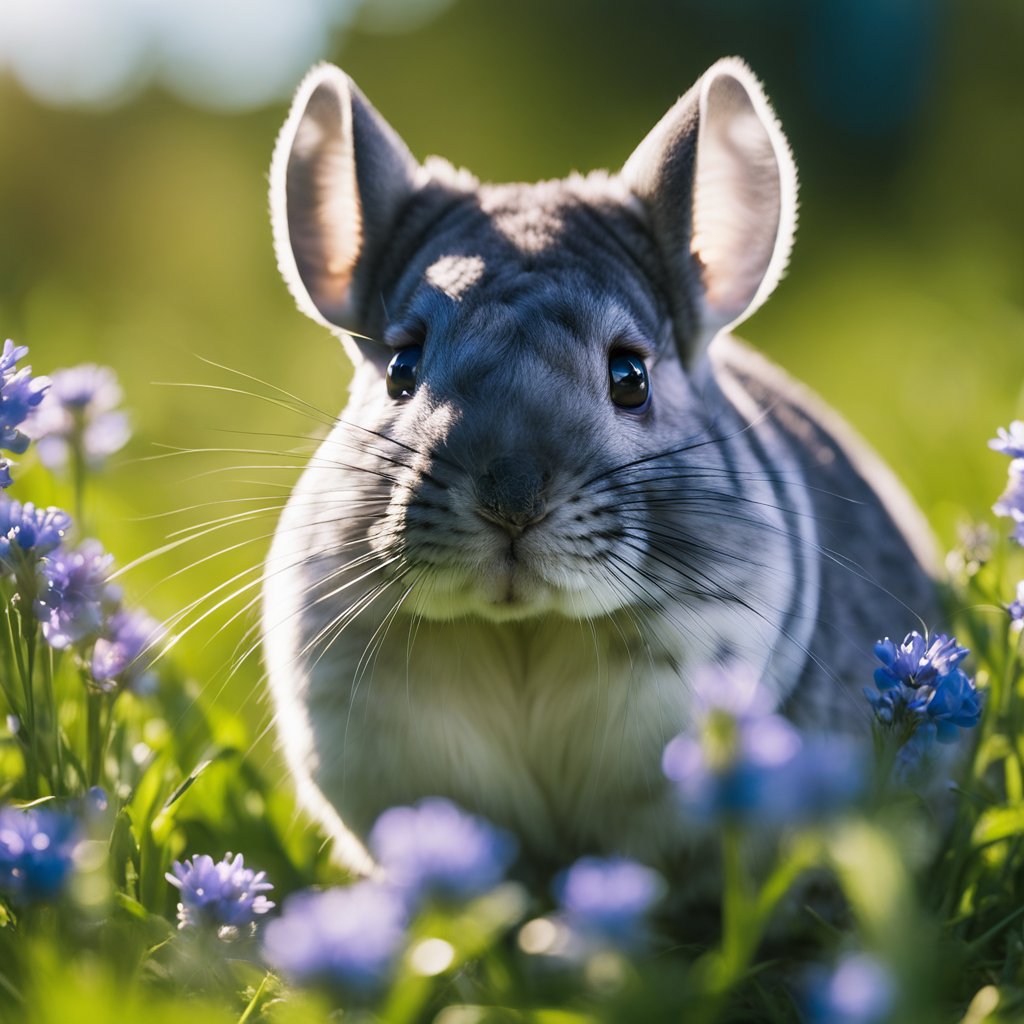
135, 137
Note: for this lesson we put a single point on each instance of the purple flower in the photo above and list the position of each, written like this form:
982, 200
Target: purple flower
1010, 442
606, 902
1011, 503
37, 848
124, 652
917, 661
219, 894
20, 393
81, 409
28, 532
76, 595
858, 991
1016, 609
436, 849
754, 766
346, 938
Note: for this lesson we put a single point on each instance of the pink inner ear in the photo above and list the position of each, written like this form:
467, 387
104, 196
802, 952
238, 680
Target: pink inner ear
317, 215
744, 197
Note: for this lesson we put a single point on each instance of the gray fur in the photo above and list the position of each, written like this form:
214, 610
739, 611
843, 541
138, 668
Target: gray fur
534, 671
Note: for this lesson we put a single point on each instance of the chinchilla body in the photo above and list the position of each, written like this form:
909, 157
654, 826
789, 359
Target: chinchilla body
560, 486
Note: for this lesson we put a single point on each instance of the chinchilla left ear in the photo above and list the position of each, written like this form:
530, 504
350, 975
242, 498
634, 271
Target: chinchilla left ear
719, 186
339, 176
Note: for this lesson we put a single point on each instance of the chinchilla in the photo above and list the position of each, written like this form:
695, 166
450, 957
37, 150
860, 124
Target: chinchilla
560, 486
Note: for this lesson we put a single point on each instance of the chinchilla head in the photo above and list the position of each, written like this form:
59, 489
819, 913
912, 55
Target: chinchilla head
528, 429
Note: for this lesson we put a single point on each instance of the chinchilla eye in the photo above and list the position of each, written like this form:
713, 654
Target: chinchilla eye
402, 372
629, 386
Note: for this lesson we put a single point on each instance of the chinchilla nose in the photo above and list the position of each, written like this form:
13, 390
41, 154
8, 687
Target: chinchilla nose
510, 492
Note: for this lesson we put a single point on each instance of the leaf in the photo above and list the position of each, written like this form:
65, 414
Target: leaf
998, 823
187, 784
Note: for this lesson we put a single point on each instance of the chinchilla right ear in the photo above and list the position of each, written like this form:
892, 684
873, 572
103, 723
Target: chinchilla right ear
339, 175
719, 185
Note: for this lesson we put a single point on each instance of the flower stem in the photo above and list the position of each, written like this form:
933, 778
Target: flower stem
745, 915
30, 745
97, 732
79, 473
57, 782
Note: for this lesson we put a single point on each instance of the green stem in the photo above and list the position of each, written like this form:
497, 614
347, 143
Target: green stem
254, 1002
29, 635
8, 671
736, 904
745, 916
57, 782
96, 735
29, 722
79, 474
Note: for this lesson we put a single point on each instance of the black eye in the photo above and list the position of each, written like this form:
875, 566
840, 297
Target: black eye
402, 372
629, 386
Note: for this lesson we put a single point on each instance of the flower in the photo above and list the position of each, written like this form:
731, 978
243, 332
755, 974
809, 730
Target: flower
951, 703
81, 409
1016, 609
858, 991
20, 394
346, 938
220, 894
37, 848
607, 901
1011, 503
76, 595
437, 849
917, 661
1010, 442
921, 684
26, 529
27, 534
123, 654
747, 764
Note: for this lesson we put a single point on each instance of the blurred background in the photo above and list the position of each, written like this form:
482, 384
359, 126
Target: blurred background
136, 135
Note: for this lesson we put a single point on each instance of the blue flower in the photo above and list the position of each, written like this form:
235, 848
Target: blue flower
123, 654
27, 533
1010, 442
219, 894
436, 849
952, 703
753, 766
858, 991
922, 684
20, 393
76, 596
345, 938
917, 661
607, 901
81, 409
1015, 609
37, 848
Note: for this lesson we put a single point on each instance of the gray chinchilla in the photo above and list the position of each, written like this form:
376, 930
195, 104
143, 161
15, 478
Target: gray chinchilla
559, 485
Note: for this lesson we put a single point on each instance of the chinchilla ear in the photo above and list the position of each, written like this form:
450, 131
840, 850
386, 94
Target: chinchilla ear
719, 184
337, 180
